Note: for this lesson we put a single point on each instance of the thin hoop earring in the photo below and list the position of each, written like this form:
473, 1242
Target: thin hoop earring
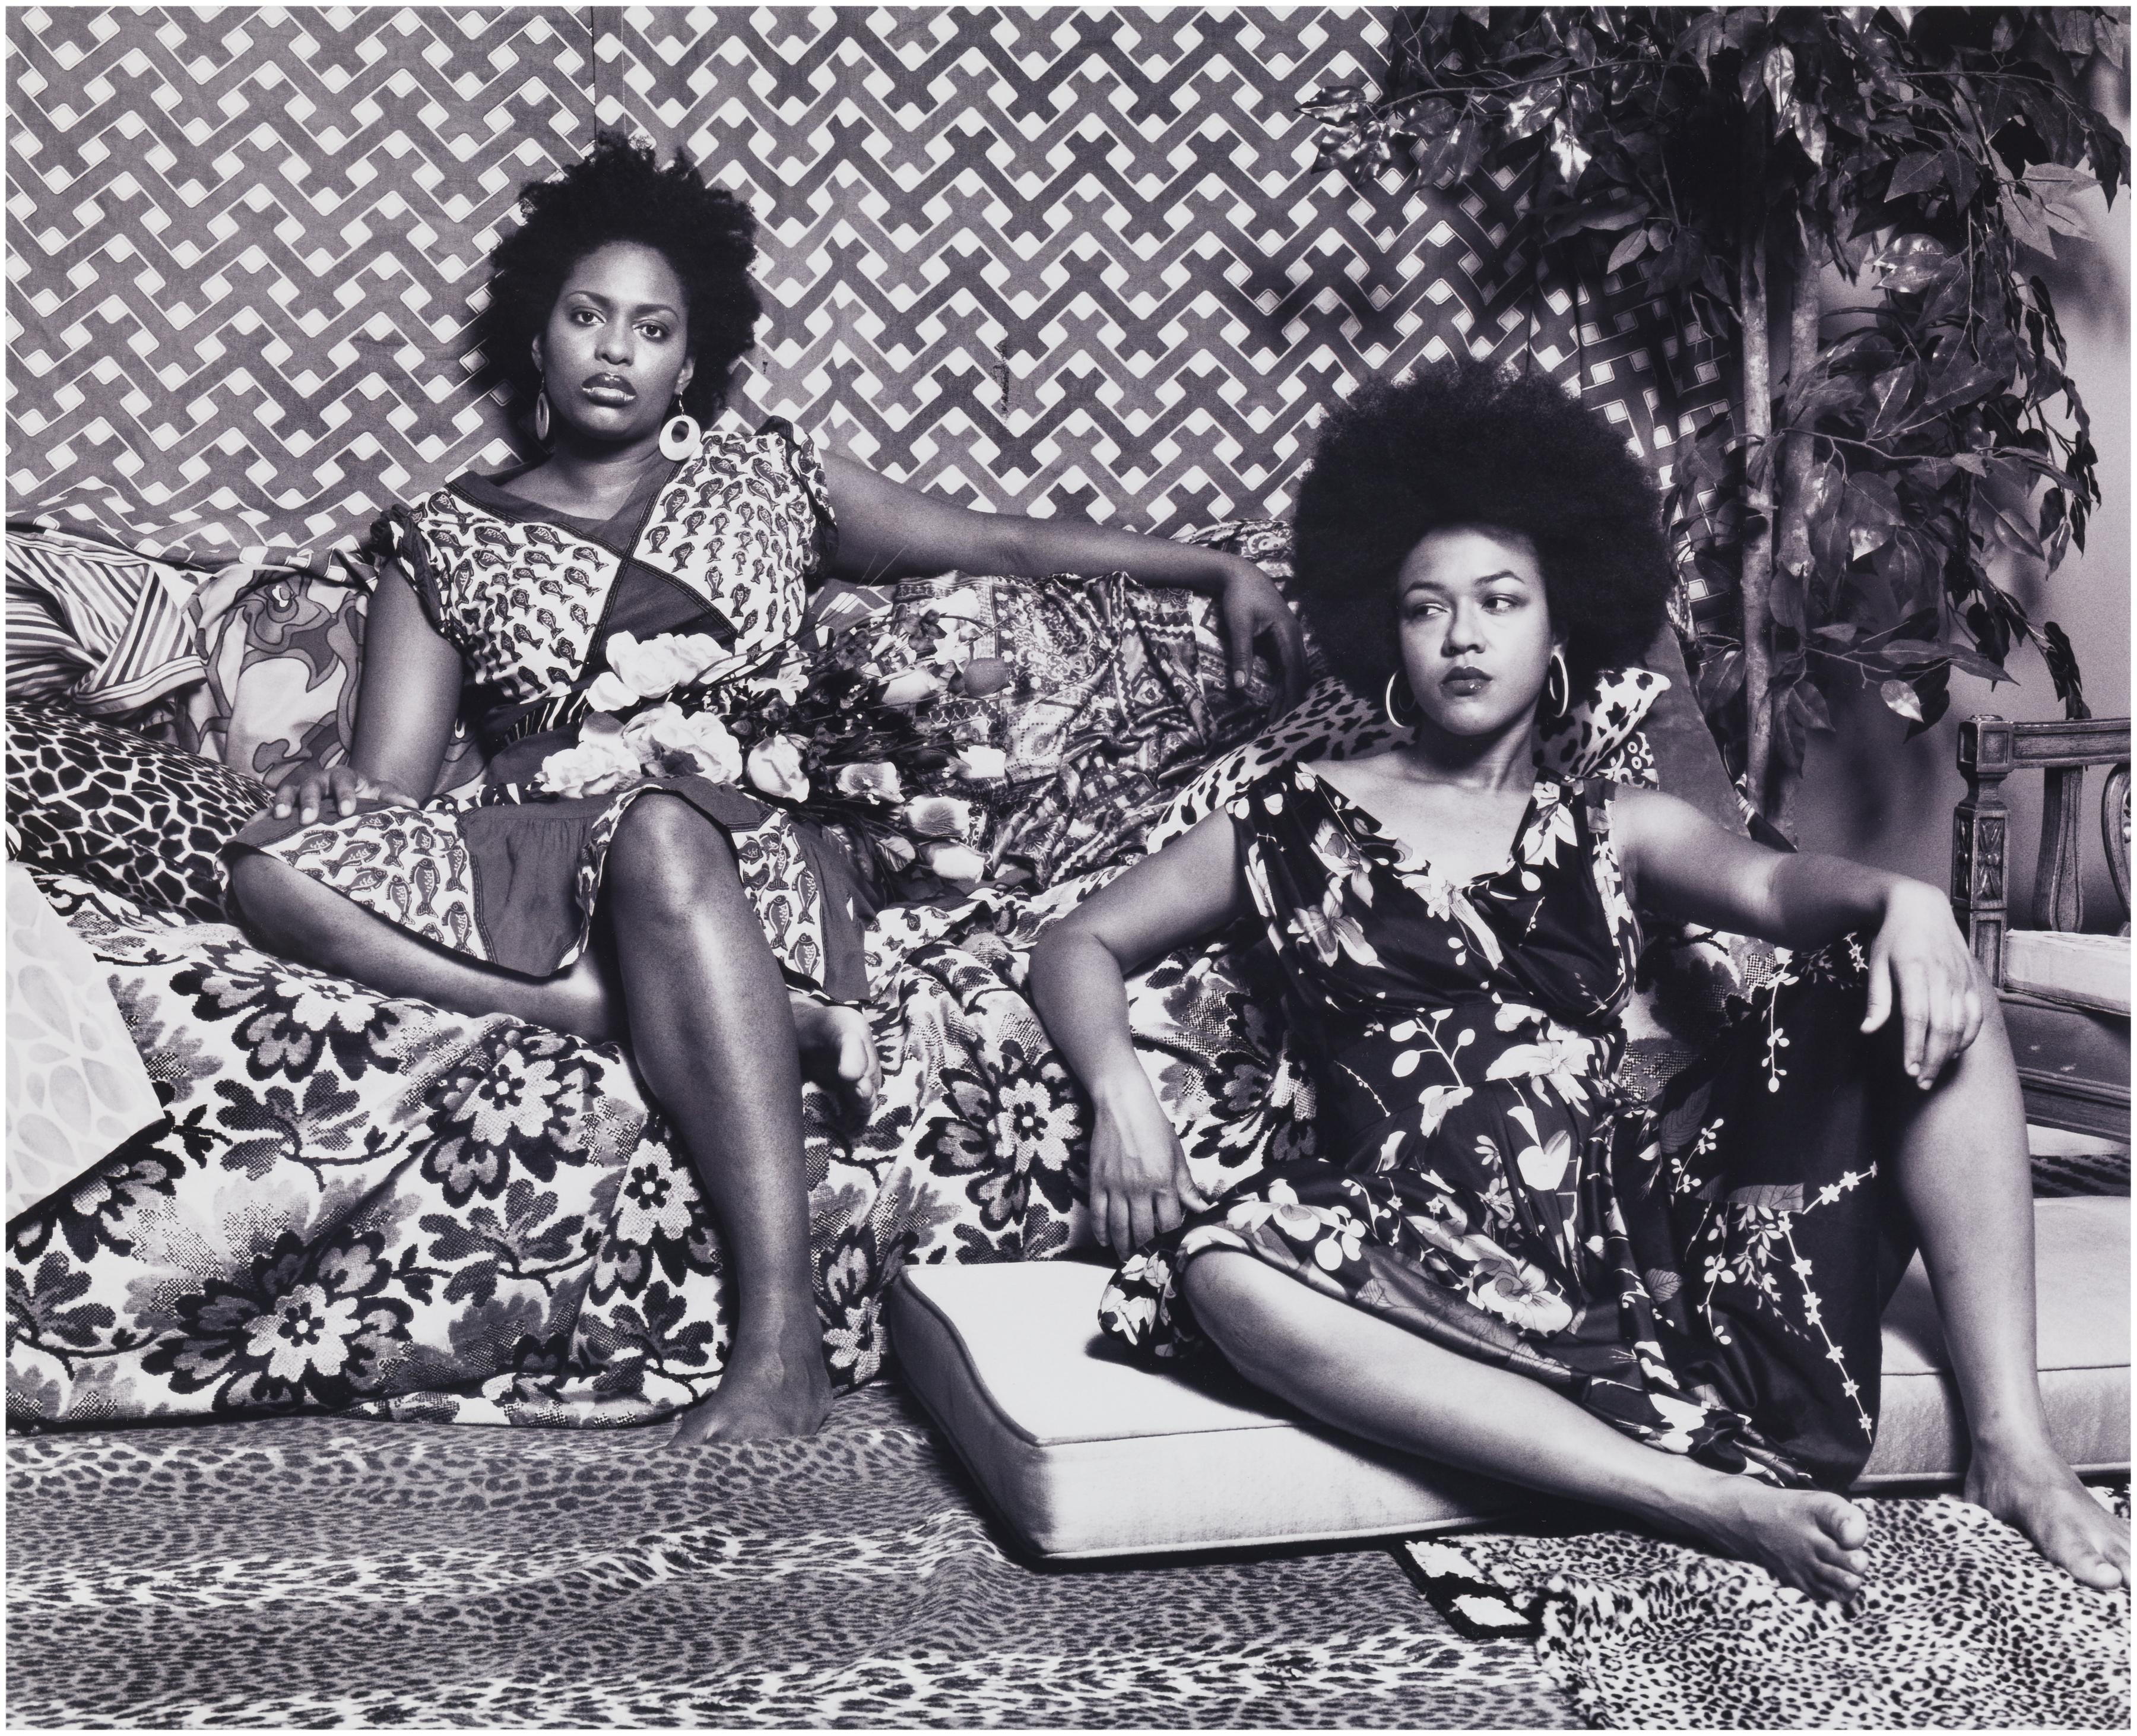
542, 414
1388, 705
679, 434
1563, 703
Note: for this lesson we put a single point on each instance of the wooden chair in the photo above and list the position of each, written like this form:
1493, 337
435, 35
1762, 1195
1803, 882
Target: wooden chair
2065, 995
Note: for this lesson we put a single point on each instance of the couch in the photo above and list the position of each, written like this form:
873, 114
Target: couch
369, 1206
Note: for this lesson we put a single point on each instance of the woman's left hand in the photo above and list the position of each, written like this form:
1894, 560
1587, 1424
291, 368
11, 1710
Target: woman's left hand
1920, 962
1249, 607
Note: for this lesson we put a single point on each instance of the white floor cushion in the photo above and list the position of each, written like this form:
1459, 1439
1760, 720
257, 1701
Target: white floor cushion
2091, 971
1084, 1454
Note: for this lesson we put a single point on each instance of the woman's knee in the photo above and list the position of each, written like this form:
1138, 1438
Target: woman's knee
1237, 1302
264, 895
666, 858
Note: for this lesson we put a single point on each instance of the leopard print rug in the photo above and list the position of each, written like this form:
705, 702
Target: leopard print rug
1960, 1626
313, 1572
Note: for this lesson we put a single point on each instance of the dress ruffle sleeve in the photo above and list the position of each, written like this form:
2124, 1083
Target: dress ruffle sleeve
807, 465
397, 535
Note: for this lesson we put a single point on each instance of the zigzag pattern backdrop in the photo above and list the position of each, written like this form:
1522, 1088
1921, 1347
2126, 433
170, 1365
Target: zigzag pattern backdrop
1044, 262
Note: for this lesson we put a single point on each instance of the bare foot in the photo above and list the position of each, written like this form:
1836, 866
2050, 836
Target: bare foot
1804, 1537
2041, 1495
838, 1051
774, 1394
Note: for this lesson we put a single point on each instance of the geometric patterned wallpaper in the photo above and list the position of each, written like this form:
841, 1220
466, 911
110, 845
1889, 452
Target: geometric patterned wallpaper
1066, 260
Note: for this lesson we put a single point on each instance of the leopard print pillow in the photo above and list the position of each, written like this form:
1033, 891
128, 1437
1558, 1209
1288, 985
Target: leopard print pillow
122, 811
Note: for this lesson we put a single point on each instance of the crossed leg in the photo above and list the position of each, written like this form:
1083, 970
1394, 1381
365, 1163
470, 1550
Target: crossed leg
720, 1043
1962, 1171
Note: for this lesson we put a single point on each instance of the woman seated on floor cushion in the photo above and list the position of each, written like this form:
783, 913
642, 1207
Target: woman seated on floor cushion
721, 932
1501, 1262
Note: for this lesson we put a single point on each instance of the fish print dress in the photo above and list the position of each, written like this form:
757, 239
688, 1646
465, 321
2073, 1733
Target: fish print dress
728, 543
1704, 1272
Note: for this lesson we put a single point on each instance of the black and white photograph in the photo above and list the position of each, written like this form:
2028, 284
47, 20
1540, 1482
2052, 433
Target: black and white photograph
919, 867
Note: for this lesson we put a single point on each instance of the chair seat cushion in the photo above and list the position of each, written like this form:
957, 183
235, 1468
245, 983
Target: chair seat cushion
1083, 1453
2091, 971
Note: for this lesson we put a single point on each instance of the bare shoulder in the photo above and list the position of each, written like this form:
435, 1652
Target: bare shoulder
1637, 813
1356, 776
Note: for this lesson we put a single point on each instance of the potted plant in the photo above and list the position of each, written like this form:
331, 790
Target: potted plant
1880, 458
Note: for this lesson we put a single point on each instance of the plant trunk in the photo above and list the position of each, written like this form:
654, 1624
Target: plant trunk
1790, 592
1755, 587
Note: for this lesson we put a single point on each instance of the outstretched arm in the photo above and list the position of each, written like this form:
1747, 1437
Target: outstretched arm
404, 712
889, 531
1682, 865
1139, 1176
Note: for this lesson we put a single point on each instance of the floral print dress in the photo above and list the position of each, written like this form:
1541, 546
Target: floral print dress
1704, 1272
555, 616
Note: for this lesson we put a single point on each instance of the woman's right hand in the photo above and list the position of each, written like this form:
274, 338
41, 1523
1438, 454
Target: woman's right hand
314, 786
1140, 1183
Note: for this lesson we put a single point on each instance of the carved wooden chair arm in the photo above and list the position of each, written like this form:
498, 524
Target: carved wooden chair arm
1990, 749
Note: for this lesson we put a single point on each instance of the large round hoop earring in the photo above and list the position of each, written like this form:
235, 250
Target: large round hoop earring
542, 414
1563, 703
679, 434
1388, 705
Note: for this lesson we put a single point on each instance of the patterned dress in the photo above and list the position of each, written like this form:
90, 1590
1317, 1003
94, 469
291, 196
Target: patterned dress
725, 543
1705, 1272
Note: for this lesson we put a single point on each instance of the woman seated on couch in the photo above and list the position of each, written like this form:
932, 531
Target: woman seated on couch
720, 935
1499, 1259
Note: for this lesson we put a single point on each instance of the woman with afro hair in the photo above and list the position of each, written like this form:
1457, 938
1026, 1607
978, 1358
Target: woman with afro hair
644, 553
1498, 1258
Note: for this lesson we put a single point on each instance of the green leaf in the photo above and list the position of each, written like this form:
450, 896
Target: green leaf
2054, 509
1900, 697
1628, 250
1809, 705
1836, 632
2063, 669
1916, 174
1904, 651
1778, 71
2056, 182
1975, 664
1892, 392
1909, 263
1532, 110
1721, 679
1965, 383
2108, 30
2026, 222
1934, 689
2073, 28
1810, 133
2064, 221
1961, 177
1620, 212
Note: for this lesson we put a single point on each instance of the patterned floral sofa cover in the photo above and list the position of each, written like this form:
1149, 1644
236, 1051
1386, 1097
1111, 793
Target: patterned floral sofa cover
356, 1203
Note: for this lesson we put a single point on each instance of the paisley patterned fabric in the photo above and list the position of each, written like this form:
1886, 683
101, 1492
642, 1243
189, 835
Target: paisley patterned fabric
725, 545
1702, 1273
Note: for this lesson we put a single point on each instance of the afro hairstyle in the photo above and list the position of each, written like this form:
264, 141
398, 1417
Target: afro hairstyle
1465, 444
618, 192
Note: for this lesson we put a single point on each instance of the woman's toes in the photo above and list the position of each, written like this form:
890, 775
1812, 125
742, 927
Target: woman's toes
2088, 1567
1843, 1522
1838, 1587
858, 1064
854, 1054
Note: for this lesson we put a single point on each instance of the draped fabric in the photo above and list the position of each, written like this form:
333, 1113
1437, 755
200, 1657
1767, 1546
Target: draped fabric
1705, 1273
99, 627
